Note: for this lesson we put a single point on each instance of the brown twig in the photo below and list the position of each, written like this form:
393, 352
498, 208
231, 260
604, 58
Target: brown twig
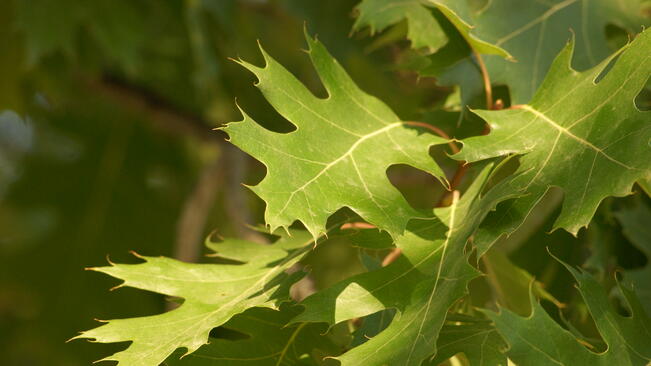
357, 225
488, 90
162, 115
437, 131
391, 257
167, 118
197, 206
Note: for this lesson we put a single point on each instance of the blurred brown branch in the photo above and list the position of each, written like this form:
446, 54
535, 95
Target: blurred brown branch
225, 172
163, 115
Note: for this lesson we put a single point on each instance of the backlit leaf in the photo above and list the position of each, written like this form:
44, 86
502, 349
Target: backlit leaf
211, 293
590, 140
339, 153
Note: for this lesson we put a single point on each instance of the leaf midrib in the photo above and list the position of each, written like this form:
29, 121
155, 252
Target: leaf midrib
569, 134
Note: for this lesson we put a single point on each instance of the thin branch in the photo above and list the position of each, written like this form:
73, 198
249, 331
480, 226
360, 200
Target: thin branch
391, 257
194, 215
162, 115
167, 118
357, 225
437, 131
488, 90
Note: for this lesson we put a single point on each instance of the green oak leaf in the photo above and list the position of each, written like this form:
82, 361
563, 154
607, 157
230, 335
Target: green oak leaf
588, 139
636, 221
534, 31
211, 293
430, 276
528, 31
339, 153
270, 342
424, 30
478, 341
539, 340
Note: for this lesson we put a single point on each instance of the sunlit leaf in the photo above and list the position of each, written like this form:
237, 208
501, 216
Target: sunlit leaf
590, 140
339, 153
211, 293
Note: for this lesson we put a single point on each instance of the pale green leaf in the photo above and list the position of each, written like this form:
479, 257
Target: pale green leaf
412, 335
211, 293
339, 153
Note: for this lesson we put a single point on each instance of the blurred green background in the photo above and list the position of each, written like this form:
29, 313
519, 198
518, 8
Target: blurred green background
106, 111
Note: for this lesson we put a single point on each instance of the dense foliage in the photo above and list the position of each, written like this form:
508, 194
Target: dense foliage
499, 213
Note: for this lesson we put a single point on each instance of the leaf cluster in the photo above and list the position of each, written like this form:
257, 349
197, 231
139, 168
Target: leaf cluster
560, 149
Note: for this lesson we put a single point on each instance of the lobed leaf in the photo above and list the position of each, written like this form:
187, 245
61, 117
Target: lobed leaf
519, 38
339, 153
539, 340
424, 30
270, 341
212, 294
431, 277
588, 139
534, 31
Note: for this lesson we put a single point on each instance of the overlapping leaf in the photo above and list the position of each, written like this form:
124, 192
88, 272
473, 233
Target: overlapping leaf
211, 293
534, 31
539, 340
424, 30
339, 153
423, 285
270, 342
478, 341
590, 140
531, 32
